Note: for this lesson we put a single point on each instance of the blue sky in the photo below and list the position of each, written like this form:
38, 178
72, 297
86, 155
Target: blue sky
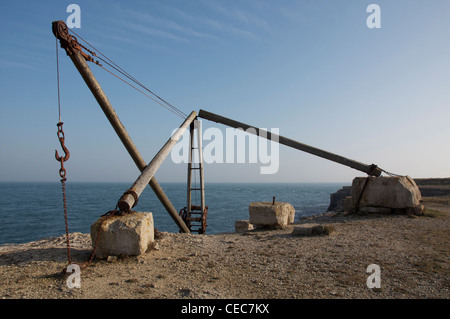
313, 69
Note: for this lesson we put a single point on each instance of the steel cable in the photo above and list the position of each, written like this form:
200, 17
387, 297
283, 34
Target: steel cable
116, 67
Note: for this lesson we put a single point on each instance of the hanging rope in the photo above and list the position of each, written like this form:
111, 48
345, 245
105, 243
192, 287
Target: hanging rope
62, 159
120, 70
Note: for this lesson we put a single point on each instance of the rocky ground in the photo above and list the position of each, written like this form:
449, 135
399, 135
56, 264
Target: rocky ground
412, 252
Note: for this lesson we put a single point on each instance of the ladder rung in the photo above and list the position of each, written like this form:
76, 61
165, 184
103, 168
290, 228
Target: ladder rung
195, 189
194, 219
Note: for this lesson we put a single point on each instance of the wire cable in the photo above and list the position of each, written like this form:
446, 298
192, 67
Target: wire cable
116, 67
57, 80
170, 109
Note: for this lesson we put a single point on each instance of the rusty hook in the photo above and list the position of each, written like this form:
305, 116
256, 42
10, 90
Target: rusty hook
61, 141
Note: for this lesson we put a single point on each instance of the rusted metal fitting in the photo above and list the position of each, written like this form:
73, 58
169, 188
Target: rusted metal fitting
374, 171
62, 159
62, 142
124, 205
67, 41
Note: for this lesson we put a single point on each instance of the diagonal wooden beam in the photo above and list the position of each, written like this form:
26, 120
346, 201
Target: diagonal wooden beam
127, 201
88, 77
371, 170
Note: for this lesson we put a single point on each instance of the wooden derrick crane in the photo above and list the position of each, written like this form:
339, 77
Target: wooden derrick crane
193, 217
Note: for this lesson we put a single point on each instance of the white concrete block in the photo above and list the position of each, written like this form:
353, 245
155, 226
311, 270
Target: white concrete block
266, 214
130, 234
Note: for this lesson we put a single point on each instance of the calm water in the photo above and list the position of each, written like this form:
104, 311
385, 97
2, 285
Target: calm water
31, 211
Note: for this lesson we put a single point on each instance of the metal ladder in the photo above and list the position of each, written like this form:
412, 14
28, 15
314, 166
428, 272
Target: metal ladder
194, 215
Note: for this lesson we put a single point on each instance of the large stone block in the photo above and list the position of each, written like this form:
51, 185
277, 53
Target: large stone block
390, 192
130, 234
263, 214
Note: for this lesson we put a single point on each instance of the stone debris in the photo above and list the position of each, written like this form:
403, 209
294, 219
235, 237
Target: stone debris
312, 230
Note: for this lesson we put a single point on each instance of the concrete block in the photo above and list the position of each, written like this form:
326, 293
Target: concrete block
130, 234
263, 214
388, 192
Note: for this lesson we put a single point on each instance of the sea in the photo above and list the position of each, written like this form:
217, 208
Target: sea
33, 211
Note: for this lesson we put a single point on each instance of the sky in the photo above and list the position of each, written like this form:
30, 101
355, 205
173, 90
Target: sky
314, 70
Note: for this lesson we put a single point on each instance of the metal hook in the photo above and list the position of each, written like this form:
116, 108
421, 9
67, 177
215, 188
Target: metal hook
61, 141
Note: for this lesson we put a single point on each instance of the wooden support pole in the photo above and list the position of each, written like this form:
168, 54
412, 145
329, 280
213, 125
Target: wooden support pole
372, 170
128, 201
82, 67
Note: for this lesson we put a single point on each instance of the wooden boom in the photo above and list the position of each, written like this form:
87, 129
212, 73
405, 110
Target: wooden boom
371, 170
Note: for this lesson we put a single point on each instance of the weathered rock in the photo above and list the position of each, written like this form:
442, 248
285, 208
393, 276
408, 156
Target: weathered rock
399, 192
242, 226
130, 234
303, 230
328, 229
312, 229
318, 230
337, 200
375, 210
265, 214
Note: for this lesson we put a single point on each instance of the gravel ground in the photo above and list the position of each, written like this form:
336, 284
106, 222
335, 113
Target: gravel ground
413, 255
